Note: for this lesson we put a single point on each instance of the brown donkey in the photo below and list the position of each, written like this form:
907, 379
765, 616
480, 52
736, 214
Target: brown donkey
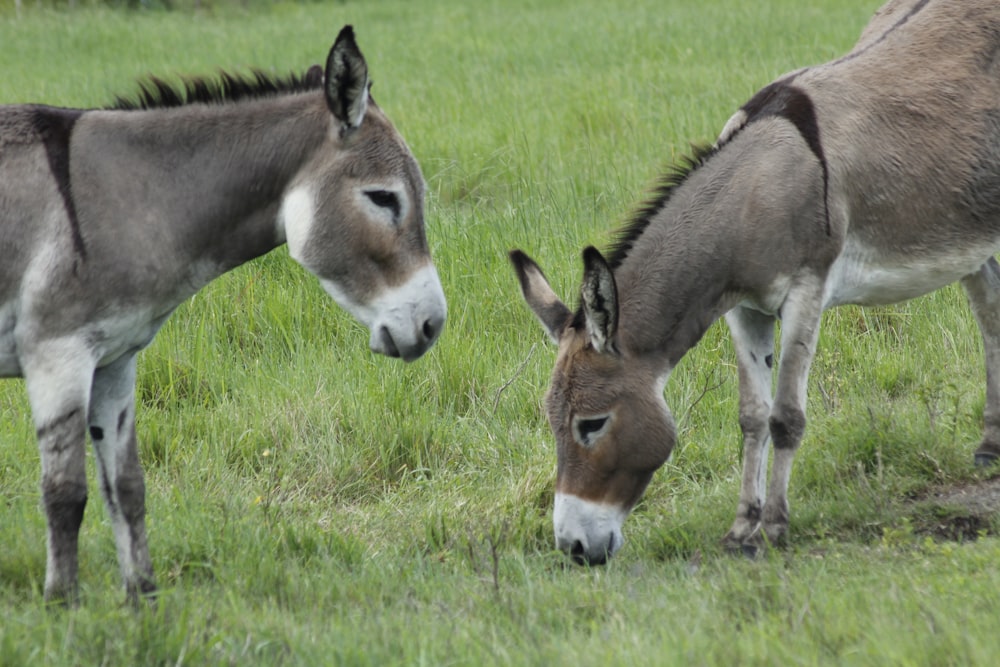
868, 180
110, 218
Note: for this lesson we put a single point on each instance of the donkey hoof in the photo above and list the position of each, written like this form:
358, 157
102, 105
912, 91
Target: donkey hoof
754, 547
751, 546
986, 459
731, 544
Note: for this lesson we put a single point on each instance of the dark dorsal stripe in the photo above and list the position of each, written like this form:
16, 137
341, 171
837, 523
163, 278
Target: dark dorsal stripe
155, 93
895, 26
786, 101
55, 126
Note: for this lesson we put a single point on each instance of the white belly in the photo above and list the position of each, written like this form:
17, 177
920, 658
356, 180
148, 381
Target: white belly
860, 276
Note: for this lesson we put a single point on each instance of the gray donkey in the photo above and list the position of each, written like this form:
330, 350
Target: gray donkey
110, 218
868, 180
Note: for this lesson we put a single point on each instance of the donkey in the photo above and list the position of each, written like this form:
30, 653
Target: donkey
868, 180
110, 218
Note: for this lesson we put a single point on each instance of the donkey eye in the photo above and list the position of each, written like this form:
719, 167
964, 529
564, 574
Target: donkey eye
588, 430
385, 199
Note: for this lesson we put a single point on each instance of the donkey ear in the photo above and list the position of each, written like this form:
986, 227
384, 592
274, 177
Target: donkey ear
600, 300
346, 84
315, 76
550, 311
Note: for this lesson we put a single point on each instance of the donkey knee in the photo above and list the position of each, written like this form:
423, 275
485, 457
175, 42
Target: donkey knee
64, 502
753, 422
132, 497
788, 425
125, 495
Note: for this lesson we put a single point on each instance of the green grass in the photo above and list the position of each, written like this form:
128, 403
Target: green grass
312, 504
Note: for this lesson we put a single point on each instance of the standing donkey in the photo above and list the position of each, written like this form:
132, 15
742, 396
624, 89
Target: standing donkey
110, 218
868, 180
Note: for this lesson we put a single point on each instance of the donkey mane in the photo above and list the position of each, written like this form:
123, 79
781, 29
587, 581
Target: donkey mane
660, 194
156, 93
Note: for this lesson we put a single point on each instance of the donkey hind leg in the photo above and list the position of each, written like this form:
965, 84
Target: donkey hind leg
112, 431
983, 289
58, 376
753, 337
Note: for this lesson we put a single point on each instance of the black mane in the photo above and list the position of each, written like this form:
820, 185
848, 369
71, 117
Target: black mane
156, 93
662, 190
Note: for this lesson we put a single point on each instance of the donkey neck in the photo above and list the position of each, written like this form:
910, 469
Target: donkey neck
209, 177
744, 221
678, 276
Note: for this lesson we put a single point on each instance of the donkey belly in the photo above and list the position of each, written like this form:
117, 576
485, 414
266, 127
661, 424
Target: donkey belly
126, 333
108, 338
862, 276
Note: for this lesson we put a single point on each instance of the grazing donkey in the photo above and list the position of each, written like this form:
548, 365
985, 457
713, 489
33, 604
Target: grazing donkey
110, 218
868, 180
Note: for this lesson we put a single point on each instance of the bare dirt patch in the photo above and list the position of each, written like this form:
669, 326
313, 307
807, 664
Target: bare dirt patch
960, 512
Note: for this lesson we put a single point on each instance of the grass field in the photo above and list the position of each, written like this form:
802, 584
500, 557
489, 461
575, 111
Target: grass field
310, 503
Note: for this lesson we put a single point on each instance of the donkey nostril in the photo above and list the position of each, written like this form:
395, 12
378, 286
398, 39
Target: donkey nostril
388, 343
432, 327
576, 552
429, 330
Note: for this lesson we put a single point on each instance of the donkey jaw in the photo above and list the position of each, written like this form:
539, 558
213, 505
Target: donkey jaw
404, 321
588, 531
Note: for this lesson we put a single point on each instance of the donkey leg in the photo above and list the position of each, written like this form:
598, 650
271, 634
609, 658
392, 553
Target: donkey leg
57, 376
801, 314
753, 338
983, 289
112, 431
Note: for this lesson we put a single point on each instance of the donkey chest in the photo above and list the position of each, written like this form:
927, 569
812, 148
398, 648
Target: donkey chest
862, 275
9, 365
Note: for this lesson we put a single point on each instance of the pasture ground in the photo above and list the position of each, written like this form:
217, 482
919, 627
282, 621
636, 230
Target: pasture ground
311, 504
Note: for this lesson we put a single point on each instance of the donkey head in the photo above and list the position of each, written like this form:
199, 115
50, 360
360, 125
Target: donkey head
605, 407
354, 215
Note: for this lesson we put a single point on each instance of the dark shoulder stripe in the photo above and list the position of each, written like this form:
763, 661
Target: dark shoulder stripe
791, 103
55, 126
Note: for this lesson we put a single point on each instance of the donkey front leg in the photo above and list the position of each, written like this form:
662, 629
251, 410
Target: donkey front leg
753, 337
983, 290
112, 431
57, 376
801, 313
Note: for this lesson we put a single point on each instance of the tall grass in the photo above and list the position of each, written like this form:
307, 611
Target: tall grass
312, 504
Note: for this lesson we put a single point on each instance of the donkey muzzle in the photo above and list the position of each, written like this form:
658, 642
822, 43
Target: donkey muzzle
404, 321
407, 320
407, 344
589, 532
